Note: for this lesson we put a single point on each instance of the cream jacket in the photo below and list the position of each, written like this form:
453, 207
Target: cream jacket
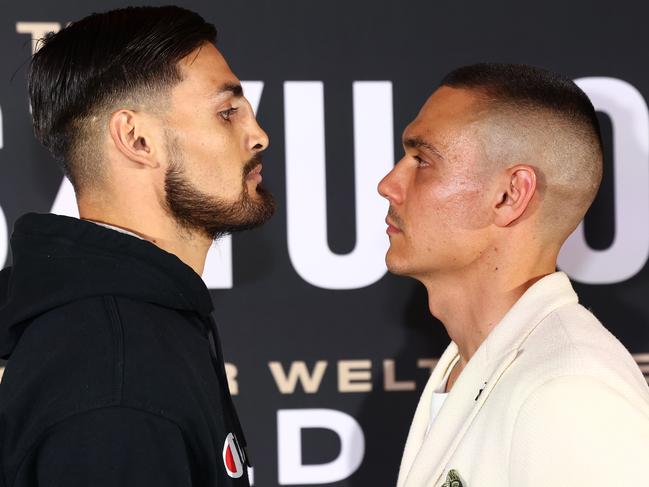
550, 399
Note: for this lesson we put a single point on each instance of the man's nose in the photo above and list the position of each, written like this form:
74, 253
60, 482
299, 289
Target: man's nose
258, 138
390, 187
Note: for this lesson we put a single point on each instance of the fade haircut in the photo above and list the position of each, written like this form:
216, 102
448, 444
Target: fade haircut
123, 58
544, 119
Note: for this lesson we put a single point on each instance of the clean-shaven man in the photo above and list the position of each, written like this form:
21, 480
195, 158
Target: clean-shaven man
115, 374
500, 166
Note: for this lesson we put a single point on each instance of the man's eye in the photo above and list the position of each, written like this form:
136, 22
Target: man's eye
420, 161
226, 114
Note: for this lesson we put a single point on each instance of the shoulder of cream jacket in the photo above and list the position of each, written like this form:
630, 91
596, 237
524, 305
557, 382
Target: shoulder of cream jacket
550, 398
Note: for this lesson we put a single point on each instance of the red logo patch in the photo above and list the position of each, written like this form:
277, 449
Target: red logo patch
232, 457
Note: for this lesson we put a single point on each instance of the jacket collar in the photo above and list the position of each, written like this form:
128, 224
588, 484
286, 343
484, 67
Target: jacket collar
425, 455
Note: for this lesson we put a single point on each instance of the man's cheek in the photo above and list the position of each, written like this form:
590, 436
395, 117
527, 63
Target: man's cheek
466, 208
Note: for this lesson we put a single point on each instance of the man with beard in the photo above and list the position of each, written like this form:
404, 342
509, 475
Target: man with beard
500, 166
115, 374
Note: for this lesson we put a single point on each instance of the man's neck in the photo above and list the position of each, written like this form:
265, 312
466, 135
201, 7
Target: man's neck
162, 231
472, 304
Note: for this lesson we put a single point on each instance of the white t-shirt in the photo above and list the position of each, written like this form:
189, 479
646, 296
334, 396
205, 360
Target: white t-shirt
117, 229
439, 396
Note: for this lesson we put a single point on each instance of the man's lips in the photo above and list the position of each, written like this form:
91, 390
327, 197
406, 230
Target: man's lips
392, 229
255, 174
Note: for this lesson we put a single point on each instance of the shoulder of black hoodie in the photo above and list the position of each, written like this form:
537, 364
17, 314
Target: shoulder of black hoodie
94, 360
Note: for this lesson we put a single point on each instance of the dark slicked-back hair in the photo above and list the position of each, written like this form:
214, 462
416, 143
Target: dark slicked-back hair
99, 61
528, 87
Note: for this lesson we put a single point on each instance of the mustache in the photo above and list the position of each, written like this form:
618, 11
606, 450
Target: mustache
392, 214
251, 164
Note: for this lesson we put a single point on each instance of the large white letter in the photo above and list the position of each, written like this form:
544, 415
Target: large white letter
291, 422
37, 30
218, 266
306, 184
65, 202
630, 249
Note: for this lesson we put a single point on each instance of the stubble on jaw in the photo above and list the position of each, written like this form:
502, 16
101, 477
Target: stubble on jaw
211, 216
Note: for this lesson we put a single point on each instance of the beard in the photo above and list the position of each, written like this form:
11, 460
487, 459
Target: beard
209, 215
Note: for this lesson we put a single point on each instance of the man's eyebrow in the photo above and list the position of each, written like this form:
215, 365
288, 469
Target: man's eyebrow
418, 143
234, 89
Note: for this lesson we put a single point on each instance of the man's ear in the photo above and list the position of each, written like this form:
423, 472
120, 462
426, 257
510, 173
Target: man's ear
515, 194
131, 133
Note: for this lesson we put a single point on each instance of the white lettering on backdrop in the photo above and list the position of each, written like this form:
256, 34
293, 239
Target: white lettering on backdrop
291, 469
306, 185
37, 30
630, 249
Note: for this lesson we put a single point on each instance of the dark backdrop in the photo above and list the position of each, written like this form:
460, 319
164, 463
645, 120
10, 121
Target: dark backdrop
274, 310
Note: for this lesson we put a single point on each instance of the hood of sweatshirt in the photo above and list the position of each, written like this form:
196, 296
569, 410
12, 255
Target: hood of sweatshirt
58, 259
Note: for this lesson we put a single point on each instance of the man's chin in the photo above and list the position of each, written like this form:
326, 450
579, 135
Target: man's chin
396, 264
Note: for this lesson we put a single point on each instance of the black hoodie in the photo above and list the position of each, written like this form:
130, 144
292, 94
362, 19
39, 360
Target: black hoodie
114, 374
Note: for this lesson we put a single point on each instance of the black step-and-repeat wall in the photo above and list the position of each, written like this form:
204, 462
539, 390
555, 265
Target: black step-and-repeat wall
327, 354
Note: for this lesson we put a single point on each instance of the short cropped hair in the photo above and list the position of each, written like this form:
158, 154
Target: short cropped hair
528, 86
542, 118
100, 61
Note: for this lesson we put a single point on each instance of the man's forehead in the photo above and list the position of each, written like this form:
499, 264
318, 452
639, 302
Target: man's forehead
447, 110
206, 68
453, 103
205, 53
422, 133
